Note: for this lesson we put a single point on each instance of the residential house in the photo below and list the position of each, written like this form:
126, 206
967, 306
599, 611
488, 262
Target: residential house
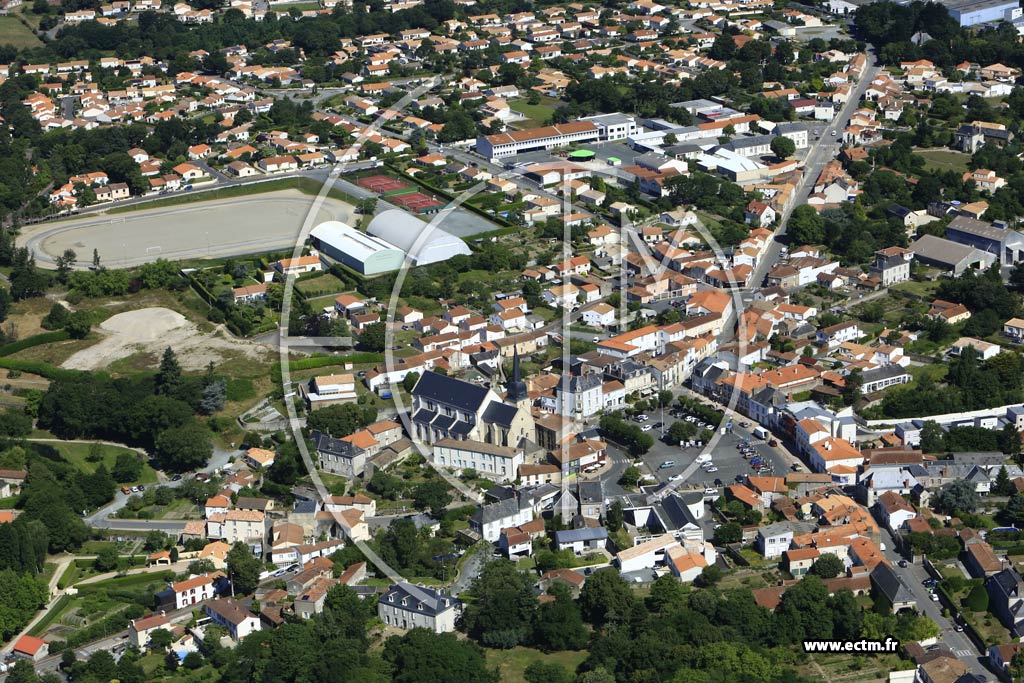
408, 606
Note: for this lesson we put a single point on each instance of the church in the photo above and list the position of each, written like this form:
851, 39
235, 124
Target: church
447, 408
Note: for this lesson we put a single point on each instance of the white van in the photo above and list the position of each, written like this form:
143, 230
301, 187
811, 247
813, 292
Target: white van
760, 433
704, 457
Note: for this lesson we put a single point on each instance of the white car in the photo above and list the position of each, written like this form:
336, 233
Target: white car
645, 428
676, 477
711, 469
710, 491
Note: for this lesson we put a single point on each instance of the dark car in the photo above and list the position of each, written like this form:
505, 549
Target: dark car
738, 478
176, 477
719, 483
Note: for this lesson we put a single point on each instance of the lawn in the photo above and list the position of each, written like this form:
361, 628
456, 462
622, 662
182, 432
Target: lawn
78, 455
935, 370
536, 114
16, 34
321, 285
512, 663
945, 160
924, 290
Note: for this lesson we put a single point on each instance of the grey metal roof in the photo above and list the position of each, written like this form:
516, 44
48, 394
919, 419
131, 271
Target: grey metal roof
586, 534
419, 599
934, 249
450, 391
891, 585
500, 413
335, 447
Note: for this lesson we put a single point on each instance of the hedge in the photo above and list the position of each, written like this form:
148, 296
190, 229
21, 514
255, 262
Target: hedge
326, 361
40, 368
34, 340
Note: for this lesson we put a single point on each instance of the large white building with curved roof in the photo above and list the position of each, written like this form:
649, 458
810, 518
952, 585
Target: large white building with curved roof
363, 253
404, 230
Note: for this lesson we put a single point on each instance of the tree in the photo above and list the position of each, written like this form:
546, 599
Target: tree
421, 656
730, 532
214, 396
168, 377
160, 639
127, 468
184, 448
783, 147
852, 384
933, 437
977, 599
432, 495
96, 259
106, 559
341, 421
544, 672
630, 477
243, 568
958, 496
57, 318
709, 576
806, 226
605, 597
78, 325
828, 566
1002, 485
1009, 440
559, 623
373, 337
615, 517
65, 262
409, 381
1014, 510
503, 607
193, 661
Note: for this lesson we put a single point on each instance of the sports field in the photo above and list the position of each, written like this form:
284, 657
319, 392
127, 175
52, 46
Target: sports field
216, 228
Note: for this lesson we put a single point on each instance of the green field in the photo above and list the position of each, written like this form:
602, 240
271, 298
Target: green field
945, 160
16, 34
77, 454
512, 663
925, 290
536, 114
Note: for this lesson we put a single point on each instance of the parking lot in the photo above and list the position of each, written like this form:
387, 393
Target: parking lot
726, 457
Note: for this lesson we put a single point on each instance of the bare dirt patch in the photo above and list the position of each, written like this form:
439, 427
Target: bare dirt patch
150, 331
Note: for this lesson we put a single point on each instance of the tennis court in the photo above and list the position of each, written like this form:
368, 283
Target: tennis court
381, 184
416, 202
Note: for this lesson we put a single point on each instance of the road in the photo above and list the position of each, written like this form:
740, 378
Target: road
819, 154
912, 576
101, 519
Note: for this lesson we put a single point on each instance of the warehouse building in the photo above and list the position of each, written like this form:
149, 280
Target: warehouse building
975, 12
949, 256
362, 253
425, 243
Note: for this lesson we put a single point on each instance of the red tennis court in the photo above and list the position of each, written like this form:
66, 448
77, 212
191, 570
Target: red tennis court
381, 184
415, 201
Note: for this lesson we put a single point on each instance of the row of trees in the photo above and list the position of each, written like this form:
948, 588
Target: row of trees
154, 411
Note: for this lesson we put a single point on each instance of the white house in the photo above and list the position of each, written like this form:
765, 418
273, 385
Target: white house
599, 315
239, 621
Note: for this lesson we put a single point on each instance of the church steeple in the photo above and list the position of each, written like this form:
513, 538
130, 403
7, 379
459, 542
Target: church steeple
516, 388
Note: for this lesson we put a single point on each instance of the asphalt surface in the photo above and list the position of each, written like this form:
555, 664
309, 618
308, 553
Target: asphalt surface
912, 576
101, 519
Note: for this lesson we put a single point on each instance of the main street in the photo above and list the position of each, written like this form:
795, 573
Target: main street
819, 154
